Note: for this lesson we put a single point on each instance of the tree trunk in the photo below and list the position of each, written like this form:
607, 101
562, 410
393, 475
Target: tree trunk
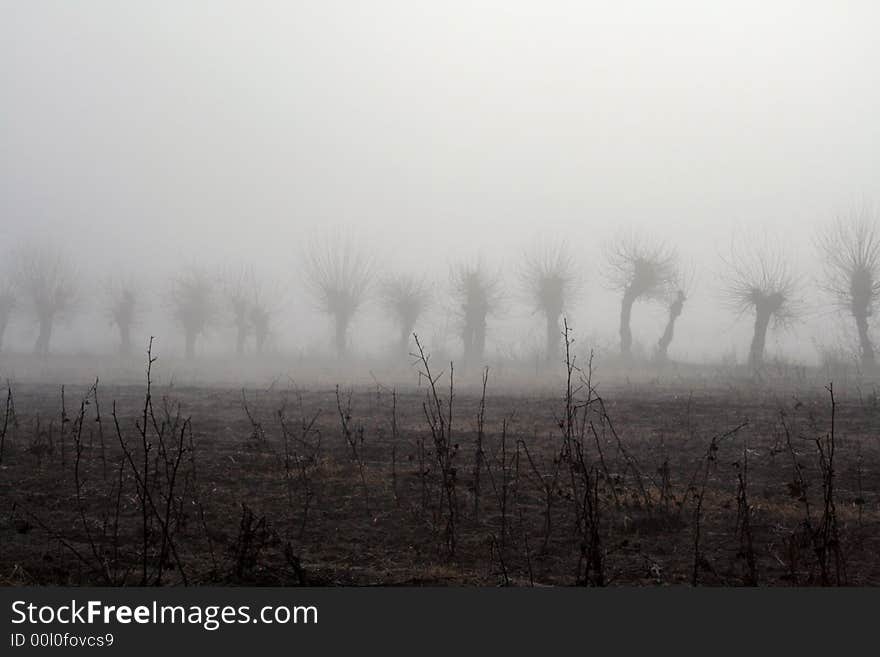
867, 348
626, 337
125, 340
467, 338
474, 338
403, 343
553, 337
240, 337
44, 337
759, 339
341, 338
666, 339
190, 345
480, 340
260, 336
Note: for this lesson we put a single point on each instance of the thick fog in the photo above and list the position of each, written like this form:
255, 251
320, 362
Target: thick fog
147, 137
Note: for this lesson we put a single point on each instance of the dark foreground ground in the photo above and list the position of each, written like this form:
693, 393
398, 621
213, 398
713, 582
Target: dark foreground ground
651, 484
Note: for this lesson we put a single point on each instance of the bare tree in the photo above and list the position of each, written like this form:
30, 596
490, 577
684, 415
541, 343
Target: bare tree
193, 305
7, 306
478, 294
639, 269
265, 296
678, 291
549, 279
236, 291
339, 276
123, 309
45, 280
405, 297
759, 280
251, 302
851, 250
265, 299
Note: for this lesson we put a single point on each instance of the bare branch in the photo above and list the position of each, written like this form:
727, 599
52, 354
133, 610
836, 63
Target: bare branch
477, 292
193, 304
639, 266
850, 248
123, 308
405, 297
758, 279
7, 307
339, 276
549, 278
45, 280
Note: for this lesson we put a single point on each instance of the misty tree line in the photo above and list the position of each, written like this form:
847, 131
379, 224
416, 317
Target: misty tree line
341, 277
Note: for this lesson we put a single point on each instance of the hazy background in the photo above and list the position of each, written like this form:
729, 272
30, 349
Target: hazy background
148, 135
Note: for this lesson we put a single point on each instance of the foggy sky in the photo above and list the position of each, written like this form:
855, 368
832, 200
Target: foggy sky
146, 136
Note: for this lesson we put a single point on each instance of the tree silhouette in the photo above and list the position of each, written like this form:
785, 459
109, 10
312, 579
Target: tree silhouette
405, 297
7, 306
678, 291
760, 281
45, 280
265, 296
123, 308
549, 279
263, 306
639, 269
339, 277
251, 303
851, 250
193, 305
478, 294
237, 294
261, 319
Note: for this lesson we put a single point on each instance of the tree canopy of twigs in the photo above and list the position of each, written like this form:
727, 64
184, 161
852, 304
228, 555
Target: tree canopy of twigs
759, 280
477, 294
641, 269
850, 248
405, 297
193, 305
549, 279
45, 280
339, 276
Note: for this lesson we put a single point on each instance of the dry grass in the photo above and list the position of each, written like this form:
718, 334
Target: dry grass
647, 472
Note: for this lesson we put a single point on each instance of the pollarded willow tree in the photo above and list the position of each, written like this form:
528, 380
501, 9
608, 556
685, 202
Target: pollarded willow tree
261, 320
339, 276
193, 305
45, 280
851, 250
7, 306
405, 297
477, 293
640, 270
550, 281
759, 280
236, 293
251, 303
677, 293
123, 309
266, 297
